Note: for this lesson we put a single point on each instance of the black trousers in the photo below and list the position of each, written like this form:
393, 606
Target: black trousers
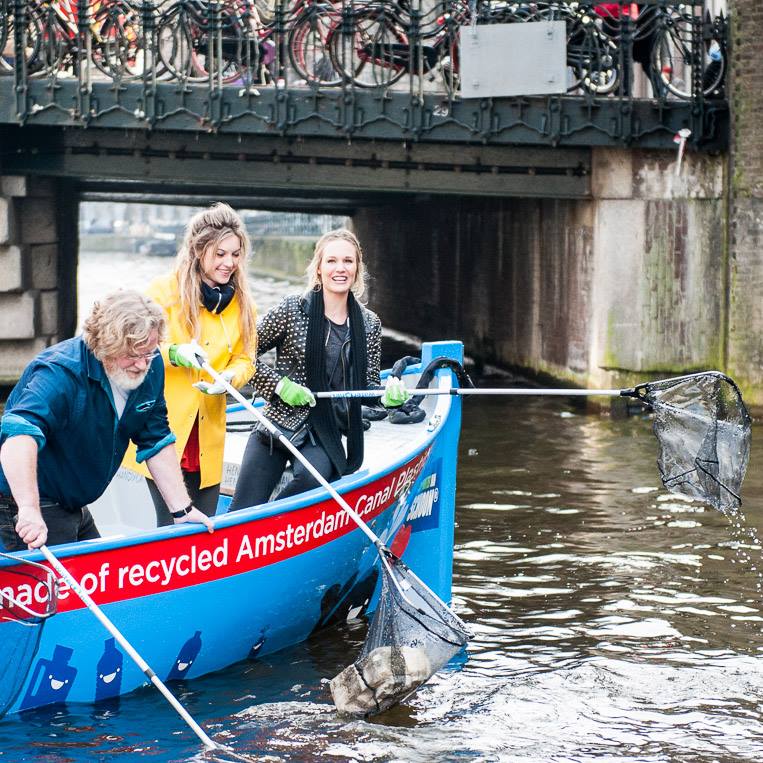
263, 465
64, 525
204, 499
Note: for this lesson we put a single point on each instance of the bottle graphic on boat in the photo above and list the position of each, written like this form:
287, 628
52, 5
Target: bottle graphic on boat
108, 673
187, 654
51, 680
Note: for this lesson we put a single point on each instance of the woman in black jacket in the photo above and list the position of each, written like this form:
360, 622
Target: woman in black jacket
324, 339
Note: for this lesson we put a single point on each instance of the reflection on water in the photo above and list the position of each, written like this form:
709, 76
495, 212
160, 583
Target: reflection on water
612, 621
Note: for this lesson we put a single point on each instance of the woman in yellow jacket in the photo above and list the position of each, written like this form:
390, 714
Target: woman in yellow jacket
210, 313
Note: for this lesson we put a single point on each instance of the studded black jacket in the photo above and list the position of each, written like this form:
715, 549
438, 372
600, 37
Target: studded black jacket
284, 328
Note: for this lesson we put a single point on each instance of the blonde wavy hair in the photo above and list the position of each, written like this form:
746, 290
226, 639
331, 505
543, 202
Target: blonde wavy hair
204, 231
340, 234
122, 322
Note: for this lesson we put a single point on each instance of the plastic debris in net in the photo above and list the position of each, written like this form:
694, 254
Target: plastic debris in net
703, 428
413, 634
28, 598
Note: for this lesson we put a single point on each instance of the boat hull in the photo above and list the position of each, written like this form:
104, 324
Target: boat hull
191, 602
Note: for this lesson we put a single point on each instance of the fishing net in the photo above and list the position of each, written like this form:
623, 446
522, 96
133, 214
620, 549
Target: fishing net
703, 428
28, 598
412, 635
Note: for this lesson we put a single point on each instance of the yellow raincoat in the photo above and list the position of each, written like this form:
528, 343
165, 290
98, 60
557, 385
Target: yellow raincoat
220, 336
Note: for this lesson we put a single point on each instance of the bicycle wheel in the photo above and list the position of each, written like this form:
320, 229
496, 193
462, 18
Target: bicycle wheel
175, 43
44, 47
231, 54
675, 59
374, 52
592, 57
118, 48
307, 44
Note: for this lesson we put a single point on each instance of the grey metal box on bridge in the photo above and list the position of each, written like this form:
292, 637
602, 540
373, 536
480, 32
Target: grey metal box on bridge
513, 59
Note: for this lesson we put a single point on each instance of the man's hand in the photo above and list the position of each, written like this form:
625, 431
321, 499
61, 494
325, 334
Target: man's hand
31, 527
194, 515
294, 394
395, 393
187, 355
215, 388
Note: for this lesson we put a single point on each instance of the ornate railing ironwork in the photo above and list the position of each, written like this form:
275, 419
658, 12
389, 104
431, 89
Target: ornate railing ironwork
350, 67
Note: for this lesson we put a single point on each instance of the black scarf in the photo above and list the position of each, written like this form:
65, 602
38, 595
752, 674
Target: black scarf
217, 298
322, 416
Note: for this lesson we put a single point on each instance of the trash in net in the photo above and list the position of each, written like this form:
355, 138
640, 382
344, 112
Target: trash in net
28, 597
703, 428
412, 635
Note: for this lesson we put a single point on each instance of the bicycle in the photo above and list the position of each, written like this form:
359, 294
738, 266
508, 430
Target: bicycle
199, 39
309, 30
687, 52
52, 37
371, 46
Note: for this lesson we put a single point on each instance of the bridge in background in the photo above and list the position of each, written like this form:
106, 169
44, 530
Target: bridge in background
514, 209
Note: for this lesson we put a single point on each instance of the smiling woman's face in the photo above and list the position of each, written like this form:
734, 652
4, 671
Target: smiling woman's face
220, 262
339, 267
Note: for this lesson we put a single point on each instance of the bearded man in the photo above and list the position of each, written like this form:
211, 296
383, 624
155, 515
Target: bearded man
69, 419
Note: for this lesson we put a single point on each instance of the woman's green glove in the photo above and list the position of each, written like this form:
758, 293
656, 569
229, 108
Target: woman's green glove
294, 394
395, 393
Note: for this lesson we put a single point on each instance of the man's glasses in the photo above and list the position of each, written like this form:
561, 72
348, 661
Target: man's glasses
147, 356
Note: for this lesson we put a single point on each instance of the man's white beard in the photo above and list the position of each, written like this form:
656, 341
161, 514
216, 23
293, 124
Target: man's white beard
123, 379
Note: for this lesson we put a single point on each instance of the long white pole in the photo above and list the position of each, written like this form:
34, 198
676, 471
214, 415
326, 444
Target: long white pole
127, 646
484, 391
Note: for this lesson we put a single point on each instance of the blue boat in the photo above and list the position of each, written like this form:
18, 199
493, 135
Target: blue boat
271, 575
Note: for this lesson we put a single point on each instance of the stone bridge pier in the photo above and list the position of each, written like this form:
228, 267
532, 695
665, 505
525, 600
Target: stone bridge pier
38, 255
603, 291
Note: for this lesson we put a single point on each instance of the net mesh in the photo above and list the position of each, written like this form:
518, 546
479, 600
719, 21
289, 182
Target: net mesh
703, 428
27, 599
412, 635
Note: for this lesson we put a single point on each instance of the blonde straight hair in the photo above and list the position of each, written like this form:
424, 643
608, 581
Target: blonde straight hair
205, 230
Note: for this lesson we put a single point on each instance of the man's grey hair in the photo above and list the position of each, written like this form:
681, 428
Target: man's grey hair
122, 322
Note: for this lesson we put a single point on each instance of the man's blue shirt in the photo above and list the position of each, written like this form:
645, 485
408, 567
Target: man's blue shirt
64, 401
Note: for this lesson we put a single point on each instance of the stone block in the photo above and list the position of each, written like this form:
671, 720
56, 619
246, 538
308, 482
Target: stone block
40, 187
38, 221
19, 313
616, 294
6, 220
48, 312
15, 356
656, 175
13, 185
611, 173
43, 262
11, 268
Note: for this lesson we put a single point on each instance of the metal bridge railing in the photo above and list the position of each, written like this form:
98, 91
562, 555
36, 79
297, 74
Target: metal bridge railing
222, 50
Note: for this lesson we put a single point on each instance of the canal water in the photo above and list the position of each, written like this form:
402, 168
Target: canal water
612, 621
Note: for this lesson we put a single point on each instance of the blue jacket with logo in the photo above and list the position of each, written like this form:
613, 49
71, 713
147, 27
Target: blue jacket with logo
64, 401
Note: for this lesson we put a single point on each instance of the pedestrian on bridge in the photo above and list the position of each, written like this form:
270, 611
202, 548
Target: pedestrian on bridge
324, 339
211, 315
68, 421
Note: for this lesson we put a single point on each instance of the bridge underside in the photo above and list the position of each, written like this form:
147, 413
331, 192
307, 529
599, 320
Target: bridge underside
285, 173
